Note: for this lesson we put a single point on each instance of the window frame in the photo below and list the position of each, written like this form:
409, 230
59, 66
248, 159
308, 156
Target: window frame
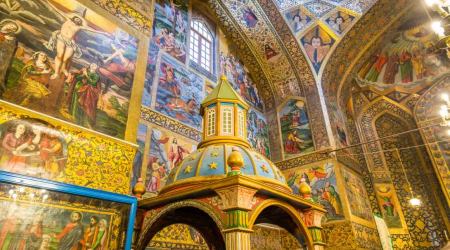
197, 53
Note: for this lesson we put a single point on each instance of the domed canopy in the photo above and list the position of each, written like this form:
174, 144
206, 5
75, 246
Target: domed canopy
224, 115
210, 164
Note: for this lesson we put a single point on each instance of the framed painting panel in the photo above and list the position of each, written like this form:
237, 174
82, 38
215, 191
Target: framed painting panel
67, 60
42, 214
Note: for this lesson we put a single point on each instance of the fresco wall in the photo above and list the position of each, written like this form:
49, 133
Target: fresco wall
39, 146
321, 177
357, 197
295, 128
67, 61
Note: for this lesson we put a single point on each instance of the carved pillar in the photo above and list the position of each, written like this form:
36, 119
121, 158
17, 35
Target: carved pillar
236, 203
313, 219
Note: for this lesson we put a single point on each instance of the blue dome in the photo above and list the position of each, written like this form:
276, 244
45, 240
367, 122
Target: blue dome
209, 164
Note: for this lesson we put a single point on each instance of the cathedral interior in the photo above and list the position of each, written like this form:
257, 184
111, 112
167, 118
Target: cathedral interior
224, 124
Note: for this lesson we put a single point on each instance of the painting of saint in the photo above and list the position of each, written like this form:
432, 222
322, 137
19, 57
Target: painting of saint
322, 180
240, 79
340, 21
179, 93
317, 44
166, 151
249, 17
297, 19
8, 44
258, 132
44, 222
390, 206
357, 196
339, 126
170, 27
295, 128
57, 42
32, 147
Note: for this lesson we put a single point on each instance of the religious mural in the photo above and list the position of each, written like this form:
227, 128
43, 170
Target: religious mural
340, 21
338, 126
150, 72
321, 178
167, 149
258, 132
179, 93
404, 58
295, 129
239, 77
248, 17
390, 206
317, 43
69, 62
32, 218
53, 150
32, 147
170, 27
139, 157
357, 195
298, 19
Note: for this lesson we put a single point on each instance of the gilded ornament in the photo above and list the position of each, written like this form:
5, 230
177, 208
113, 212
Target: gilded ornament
264, 168
213, 165
139, 188
188, 169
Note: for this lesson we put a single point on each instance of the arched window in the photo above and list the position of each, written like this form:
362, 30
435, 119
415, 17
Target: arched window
211, 125
227, 120
201, 45
241, 123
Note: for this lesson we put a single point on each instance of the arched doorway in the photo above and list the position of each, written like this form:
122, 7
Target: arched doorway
283, 217
194, 217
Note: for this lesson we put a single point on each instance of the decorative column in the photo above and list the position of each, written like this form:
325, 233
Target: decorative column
237, 201
313, 219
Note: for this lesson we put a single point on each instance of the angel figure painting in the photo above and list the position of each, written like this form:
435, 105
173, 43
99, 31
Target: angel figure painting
340, 21
317, 43
64, 60
322, 179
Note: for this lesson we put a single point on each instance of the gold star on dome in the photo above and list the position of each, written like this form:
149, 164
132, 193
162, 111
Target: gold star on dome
192, 157
213, 165
187, 169
214, 153
264, 168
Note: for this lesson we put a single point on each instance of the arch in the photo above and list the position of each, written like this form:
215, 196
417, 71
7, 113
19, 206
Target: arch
287, 217
190, 212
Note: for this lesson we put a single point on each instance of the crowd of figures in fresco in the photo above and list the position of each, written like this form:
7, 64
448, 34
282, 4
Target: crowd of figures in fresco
46, 227
406, 59
62, 59
32, 147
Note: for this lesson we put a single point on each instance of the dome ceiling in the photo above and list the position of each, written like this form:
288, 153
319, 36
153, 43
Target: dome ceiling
318, 25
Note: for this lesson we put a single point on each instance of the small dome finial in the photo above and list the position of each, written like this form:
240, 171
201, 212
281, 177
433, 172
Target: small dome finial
223, 78
304, 189
235, 161
139, 189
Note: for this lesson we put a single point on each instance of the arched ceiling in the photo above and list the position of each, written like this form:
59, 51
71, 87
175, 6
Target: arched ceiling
259, 26
341, 67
